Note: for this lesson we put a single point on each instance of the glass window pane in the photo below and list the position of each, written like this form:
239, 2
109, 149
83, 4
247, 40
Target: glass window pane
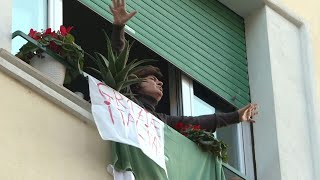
206, 102
201, 108
229, 135
26, 15
231, 175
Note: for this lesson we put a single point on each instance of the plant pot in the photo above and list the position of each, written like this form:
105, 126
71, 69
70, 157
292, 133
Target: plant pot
50, 67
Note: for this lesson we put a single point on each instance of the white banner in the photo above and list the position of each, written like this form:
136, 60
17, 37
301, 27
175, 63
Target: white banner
121, 120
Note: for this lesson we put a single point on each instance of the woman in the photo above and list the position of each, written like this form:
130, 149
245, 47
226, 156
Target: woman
150, 91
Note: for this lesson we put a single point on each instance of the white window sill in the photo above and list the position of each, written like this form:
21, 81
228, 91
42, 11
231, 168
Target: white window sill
32, 78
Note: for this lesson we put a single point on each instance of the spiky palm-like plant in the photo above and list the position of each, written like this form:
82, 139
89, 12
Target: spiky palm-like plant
115, 70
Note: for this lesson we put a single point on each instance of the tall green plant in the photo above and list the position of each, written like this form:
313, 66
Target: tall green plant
115, 70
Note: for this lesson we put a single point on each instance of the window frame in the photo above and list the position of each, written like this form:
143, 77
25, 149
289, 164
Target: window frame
244, 131
55, 14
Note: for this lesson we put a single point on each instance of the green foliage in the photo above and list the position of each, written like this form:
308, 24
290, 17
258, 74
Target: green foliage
204, 139
115, 70
208, 143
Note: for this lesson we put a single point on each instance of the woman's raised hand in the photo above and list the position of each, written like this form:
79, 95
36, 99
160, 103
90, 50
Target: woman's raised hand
120, 15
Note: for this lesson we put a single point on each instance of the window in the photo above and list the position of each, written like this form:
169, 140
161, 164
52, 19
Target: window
198, 100
38, 15
27, 15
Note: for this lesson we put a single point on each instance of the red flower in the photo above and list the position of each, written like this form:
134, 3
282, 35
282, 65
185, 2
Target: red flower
196, 127
64, 31
34, 34
48, 32
179, 126
186, 127
52, 34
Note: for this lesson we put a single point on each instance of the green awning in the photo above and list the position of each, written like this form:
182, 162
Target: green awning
204, 39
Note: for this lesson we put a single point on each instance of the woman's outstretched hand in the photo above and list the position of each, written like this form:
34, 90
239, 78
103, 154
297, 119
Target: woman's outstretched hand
247, 113
120, 15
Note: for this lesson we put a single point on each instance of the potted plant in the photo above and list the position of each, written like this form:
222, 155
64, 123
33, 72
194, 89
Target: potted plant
204, 139
116, 71
69, 57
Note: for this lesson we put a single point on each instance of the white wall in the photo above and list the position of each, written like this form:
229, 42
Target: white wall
276, 59
5, 27
260, 74
292, 117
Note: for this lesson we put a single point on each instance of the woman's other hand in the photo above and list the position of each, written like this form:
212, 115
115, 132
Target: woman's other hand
248, 113
120, 15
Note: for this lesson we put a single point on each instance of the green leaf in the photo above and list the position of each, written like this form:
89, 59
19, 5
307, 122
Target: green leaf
111, 56
100, 66
47, 38
58, 42
43, 42
78, 47
122, 75
105, 73
68, 47
94, 70
69, 38
128, 83
131, 67
80, 64
122, 59
105, 60
136, 66
29, 47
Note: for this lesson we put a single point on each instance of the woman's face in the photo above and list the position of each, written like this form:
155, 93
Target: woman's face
152, 87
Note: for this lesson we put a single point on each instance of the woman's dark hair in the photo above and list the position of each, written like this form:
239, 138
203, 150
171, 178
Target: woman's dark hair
149, 70
144, 72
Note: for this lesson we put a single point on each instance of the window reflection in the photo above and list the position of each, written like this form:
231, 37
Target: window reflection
206, 102
26, 15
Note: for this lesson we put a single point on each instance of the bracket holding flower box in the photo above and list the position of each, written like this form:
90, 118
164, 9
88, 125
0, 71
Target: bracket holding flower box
53, 53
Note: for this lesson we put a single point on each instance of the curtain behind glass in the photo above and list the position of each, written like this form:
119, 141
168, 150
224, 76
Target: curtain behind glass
26, 15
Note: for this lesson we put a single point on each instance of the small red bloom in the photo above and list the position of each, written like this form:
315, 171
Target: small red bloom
48, 31
186, 127
54, 34
179, 126
64, 31
69, 29
34, 34
196, 127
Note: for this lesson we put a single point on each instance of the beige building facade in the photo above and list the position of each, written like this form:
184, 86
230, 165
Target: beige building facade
309, 11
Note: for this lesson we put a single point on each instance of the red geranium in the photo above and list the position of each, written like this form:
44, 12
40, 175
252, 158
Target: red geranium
34, 34
60, 42
204, 139
64, 31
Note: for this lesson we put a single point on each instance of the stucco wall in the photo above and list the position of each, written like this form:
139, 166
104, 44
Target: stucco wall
39, 140
285, 133
309, 10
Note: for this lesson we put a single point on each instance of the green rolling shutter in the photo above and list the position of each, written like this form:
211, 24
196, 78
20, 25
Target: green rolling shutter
203, 38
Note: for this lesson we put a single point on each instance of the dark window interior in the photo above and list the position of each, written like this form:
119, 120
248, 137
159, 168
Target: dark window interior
88, 34
211, 98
